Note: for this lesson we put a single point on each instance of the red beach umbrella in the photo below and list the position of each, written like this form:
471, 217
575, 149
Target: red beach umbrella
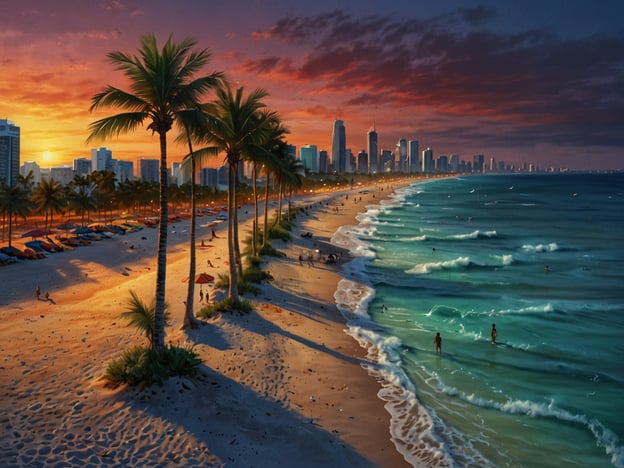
201, 278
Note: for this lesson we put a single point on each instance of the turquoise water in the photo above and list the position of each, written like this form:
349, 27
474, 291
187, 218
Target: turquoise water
539, 255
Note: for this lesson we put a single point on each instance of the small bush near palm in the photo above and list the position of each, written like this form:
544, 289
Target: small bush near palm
142, 365
254, 274
141, 316
227, 305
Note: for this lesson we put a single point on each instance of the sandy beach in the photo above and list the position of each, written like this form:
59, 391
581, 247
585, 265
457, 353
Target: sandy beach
281, 386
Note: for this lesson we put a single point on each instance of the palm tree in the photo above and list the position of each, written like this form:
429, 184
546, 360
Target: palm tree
193, 122
234, 128
141, 316
162, 86
14, 202
82, 202
48, 198
279, 152
264, 156
104, 190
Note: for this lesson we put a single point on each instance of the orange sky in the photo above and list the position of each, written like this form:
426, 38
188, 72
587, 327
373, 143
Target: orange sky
459, 77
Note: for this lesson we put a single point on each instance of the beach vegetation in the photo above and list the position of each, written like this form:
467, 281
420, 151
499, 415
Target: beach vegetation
48, 199
141, 365
163, 85
234, 126
142, 316
227, 305
14, 203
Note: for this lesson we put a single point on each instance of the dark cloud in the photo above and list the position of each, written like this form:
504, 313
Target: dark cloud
542, 86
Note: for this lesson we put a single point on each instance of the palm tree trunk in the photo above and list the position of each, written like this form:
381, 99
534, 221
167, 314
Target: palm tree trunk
265, 239
190, 321
158, 335
254, 233
233, 292
234, 215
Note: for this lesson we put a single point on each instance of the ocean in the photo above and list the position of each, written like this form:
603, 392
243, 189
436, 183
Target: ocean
539, 255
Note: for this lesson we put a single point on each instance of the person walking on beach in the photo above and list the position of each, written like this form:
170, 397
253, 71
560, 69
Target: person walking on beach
438, 343
493, 334
38, 292
201, 296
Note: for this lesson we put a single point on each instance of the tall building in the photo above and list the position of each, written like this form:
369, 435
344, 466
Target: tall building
209, 177
323, 162
309, 157
478, 163
123, 170
412, 156
401, 155
82, 166
454, 164
339, 147
427, 161
100, 158
9, 152
31, 166
149, 170
372, 149
362, 162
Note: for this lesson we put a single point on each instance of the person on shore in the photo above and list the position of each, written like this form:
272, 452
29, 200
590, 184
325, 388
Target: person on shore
438, 343
209, 262
201, 296
38, 292
493, 334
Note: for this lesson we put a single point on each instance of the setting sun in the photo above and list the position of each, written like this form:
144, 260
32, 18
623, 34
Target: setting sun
47, 156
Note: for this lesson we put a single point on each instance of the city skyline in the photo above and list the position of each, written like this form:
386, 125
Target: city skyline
539, 82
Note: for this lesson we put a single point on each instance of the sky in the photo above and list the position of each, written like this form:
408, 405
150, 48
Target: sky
522, 81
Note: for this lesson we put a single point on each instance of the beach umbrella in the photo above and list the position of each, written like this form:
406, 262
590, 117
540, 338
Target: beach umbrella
82, 230
201, 278
66, 227
37, 233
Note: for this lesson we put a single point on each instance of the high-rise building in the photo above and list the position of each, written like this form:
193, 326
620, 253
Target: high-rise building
323, 162
362, 162
454, 164
401, 155
442, 165
149, 170
477, 163
31, 167
372, 149
82, 166
123, 170
339, 147
9, 152
309, 157
412, 156
209, 177
100, 158
427, 161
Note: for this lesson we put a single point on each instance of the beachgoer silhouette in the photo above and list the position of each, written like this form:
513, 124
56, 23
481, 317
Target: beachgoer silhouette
438, 343
493, 334
201, 296
210, 264
38, 292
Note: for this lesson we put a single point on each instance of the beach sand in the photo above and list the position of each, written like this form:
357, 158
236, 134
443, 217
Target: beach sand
281, 386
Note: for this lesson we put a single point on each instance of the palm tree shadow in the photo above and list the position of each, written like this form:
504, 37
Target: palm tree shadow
224, 419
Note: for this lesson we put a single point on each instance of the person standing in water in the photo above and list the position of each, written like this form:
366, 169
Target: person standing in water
438, 343
493, 334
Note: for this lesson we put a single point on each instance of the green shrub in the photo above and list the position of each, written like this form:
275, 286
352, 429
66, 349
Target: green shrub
142, 365
226, 305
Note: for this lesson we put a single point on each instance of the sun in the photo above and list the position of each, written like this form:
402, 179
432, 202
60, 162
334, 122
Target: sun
47, 156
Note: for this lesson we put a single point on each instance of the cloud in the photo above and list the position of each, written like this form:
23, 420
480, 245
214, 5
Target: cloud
547, 87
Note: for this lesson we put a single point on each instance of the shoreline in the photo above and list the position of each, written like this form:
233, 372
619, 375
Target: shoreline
284, 381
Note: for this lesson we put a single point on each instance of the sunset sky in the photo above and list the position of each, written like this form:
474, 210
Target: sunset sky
535, 81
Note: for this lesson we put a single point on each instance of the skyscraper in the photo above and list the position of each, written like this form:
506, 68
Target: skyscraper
149, 169
309, 157
412, 156
401, 155
9, 152
339, 147
100, 158
427, 161
372, 149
